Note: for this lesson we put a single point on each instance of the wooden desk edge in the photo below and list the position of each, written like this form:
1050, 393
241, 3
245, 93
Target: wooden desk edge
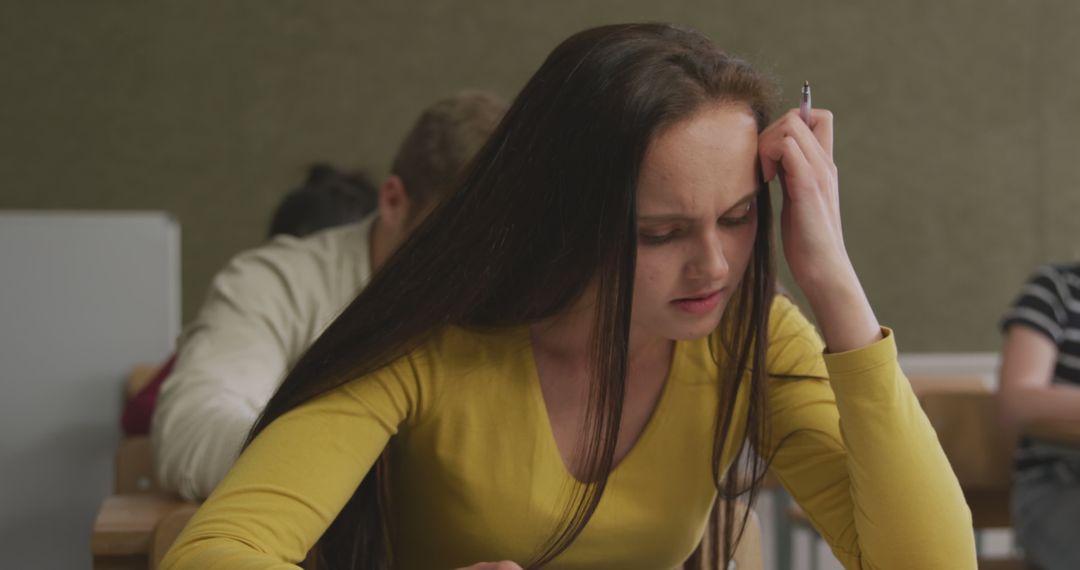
1057, 432
125, 523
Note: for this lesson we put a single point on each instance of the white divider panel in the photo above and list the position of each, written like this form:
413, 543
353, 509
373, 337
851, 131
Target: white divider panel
83, 296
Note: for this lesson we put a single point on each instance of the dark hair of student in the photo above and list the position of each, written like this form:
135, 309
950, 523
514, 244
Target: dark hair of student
328, 198
546, 208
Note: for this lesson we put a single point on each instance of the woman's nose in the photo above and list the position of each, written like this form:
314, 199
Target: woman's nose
709, 262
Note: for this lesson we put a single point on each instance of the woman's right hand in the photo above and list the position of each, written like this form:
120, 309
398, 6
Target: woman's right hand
501, 565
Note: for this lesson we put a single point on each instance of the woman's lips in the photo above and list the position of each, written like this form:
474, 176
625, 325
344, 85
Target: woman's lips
699, 305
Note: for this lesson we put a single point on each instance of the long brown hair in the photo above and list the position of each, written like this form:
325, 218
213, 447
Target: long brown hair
545, 208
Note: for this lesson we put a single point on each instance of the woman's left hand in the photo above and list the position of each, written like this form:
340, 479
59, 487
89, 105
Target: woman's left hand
801, 155
813, 239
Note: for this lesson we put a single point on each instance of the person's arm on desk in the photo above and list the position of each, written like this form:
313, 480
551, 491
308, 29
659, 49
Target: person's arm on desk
231, 359
1026, 394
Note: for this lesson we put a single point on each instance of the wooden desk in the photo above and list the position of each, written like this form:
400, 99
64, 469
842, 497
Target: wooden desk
925, 384
124, 528
139, 377
1067, 433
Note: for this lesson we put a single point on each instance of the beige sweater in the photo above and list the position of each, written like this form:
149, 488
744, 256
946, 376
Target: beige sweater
263, 310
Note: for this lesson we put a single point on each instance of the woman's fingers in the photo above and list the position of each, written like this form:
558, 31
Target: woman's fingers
791, 125
820, 128
790, 144
821, 124
783, 151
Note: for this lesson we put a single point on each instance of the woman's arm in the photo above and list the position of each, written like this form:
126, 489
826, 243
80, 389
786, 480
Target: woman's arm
856, 451
291, 482
1025, 391
852, 446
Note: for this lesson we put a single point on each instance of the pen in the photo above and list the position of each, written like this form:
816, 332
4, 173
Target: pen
804, 104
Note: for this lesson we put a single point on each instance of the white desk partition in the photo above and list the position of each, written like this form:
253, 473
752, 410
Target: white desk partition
945, 364
83, 296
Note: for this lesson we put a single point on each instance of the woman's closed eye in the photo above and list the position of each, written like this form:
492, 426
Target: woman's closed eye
661, 234
657, 236
738, 216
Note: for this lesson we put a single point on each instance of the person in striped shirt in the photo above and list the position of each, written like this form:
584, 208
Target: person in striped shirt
1040, 381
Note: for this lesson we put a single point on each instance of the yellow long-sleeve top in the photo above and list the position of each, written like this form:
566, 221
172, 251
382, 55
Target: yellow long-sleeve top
476, 474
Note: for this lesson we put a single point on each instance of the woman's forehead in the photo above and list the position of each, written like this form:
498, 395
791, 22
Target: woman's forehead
713, 148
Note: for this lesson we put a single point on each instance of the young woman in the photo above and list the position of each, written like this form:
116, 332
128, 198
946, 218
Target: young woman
566, 361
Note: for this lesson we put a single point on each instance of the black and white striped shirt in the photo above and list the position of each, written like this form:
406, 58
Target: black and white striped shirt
1050, 304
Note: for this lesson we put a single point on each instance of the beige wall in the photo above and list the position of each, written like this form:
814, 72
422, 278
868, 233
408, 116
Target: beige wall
958, 122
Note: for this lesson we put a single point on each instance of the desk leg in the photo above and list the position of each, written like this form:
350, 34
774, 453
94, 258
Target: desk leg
782, 528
